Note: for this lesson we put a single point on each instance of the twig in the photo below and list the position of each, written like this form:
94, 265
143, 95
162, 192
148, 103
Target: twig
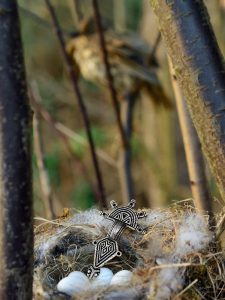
220, 226
127, 116
125, 163
75, 10
187, 288
36, 103
78, 10
175, 265
128, 127
192, 146
73, 76
43, 173
125, 175
69, 133
108, 72
154, 48
81, 140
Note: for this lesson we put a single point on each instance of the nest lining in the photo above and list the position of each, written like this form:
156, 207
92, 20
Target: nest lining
178, 257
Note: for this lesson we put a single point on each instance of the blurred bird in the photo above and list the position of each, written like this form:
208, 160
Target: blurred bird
128, 57
133, 68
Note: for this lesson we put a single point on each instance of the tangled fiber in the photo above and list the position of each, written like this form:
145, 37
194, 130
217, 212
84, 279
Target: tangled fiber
178, 258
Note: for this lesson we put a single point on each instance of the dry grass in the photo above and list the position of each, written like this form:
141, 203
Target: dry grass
163, 266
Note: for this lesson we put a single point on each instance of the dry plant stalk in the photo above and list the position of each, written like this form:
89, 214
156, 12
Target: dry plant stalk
125, 169
48, 199
154, 48
192, 146
108, 72
76, 13
65, 134
186, 31
125, 155
82, 107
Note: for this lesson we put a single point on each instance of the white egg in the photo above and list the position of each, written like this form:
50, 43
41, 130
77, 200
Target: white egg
121, 278
76, 282
103, 279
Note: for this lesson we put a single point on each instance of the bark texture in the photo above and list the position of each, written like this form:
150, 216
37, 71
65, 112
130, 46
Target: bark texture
16, 230
195, 162
199, 68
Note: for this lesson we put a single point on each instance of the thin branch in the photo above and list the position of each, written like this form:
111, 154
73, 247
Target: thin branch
154, 48
73, 76
192, 146
186, 289
76, 12
81, 140
69, 133
220, 227
109, 76
65, 138
125, 159
43, 173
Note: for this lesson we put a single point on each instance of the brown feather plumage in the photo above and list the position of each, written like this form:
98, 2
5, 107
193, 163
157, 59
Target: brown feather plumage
128, 57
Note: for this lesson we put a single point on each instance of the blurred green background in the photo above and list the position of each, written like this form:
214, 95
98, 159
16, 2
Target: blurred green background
159, 167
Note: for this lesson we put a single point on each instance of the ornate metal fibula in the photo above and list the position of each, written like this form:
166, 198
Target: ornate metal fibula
107, 248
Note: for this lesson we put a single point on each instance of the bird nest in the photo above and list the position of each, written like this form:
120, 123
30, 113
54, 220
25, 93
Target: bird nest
177, 258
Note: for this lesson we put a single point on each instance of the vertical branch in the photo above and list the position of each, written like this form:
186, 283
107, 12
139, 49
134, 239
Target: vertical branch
64, 133
159, 184
154, 49
186, 31
192, 146
78, 10
16, 214
75, 10
81, 104
108, 72
43, 173
125, 159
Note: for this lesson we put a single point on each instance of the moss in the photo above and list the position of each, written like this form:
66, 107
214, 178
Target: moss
199, 75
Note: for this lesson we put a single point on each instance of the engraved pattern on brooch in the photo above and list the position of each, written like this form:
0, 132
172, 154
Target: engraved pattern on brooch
107, 248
